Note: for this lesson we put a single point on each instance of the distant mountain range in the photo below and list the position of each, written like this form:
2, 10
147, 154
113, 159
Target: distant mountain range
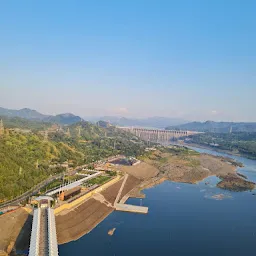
218, 127
151, 122
30, 114
68, 118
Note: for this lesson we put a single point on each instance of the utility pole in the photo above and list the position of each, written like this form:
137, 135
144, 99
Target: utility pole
20, 171
79, 132
68, 132
1, 127
7, 132
37, 164
46, 136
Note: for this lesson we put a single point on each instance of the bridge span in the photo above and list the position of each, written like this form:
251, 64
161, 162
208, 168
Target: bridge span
157, 135
43, 241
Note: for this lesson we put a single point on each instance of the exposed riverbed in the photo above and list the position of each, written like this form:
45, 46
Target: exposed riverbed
195, 219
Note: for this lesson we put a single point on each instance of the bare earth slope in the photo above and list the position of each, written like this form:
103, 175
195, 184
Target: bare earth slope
81, 220
15, 230
141, 171
188, 166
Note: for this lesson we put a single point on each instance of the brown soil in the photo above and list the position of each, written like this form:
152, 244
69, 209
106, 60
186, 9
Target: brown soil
235, 183
129, 185
15, 229
216, 165
189, 168
141, 171
111, 192
76, 223
81, 220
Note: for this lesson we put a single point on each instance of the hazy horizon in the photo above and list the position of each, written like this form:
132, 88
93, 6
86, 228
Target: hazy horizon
193, 60
97, 117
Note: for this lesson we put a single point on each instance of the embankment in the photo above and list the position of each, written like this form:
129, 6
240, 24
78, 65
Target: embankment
81, 220
15, 228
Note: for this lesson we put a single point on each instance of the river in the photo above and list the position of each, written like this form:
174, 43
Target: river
183, 219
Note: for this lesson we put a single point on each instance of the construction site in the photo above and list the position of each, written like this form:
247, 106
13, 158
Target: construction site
74, 221
80, 205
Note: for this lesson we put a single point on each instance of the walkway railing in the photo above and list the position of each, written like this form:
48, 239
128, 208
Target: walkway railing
52, 236
43, 239
35, 234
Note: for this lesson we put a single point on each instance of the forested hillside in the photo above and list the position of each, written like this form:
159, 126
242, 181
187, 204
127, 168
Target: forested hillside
17, 122
21, 152
33, 115
239, 142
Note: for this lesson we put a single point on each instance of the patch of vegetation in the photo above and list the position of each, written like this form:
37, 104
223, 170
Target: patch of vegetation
73, 178
163, 160
52, 185
98, 180
192, 162
111, 173
17, 122
233, 182
181, 151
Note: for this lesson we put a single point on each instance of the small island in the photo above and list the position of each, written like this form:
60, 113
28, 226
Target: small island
111, 231
233, 182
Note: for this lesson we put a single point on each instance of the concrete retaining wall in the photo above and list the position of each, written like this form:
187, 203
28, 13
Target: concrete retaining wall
78, 201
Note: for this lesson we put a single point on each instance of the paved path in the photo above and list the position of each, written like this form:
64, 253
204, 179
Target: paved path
43, 244
121, 189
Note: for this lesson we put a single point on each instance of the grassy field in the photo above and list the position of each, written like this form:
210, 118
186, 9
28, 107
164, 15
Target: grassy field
53, 184
73, 178
98, 180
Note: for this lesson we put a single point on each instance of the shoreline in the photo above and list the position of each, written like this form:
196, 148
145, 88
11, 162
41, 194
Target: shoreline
218, 150
210, 165
85, 213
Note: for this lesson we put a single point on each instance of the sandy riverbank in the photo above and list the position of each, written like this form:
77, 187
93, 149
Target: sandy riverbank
188, 167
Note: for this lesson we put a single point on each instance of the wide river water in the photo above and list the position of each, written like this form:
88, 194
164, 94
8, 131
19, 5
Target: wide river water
183, 219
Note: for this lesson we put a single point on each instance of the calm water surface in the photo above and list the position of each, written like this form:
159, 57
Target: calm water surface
183, 219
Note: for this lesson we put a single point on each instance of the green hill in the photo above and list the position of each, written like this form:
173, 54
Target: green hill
79, 144
17, 122
33, 115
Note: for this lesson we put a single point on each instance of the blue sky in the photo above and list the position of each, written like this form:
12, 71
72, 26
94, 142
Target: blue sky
190, 59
